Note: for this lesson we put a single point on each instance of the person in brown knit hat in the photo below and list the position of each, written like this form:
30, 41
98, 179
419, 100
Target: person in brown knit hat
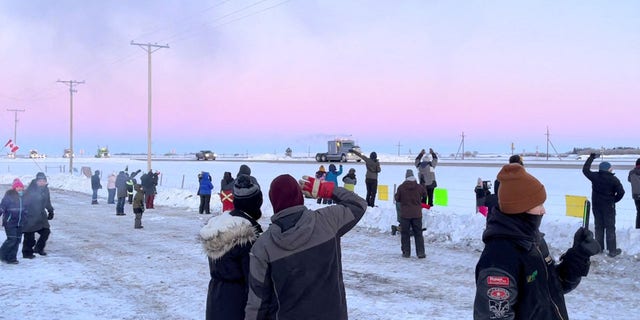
516, 277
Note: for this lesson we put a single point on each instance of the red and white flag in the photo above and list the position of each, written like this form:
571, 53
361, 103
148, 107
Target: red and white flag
12, 147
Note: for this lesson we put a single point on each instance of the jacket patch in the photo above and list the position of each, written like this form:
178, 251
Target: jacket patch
532, 277
498, 293
498, 281
498, 309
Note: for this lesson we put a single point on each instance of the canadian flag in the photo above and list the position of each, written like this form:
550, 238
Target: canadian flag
12, 147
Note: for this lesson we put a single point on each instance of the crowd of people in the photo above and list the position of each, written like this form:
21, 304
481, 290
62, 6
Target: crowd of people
251, 269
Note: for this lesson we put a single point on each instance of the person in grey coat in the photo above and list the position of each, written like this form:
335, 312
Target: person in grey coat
426, 164
634, 179
39, 212
371, 177
296, 265
121, 192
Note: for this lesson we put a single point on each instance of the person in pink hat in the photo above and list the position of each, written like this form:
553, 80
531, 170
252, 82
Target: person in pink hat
12, 209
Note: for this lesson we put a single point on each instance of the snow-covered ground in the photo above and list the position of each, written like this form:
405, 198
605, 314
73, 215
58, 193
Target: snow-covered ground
100, 267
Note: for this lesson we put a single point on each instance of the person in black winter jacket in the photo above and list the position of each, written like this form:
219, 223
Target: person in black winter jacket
227, 240
516, 277
13, 213
95, 186
606, 191
39, 212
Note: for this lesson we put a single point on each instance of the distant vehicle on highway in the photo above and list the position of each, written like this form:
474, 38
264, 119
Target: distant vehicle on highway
33, 154
67, 153
205, 155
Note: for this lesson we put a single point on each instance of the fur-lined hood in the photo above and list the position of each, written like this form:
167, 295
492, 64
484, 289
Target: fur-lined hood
224, 232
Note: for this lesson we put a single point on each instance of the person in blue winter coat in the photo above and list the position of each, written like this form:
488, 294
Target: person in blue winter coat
204, 191
12, 210
332, 176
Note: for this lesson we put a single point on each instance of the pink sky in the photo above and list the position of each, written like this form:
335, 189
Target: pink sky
262, 76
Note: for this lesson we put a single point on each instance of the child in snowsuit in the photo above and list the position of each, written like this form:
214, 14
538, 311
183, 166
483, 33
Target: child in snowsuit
350, 180
138, 206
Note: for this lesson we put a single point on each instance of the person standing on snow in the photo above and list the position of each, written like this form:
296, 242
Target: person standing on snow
138, 207
634, 179
332, 176
149, 181
111, 188
244, 169
39, 212
516, 277
227, 240
350, 179
307, 242
12, 211
95, 185
121, 192
226, 191
426, 164
371, 177
409, 196
606, 190
204, 191
321, 175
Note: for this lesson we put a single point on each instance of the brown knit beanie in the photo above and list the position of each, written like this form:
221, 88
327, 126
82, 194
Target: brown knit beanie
519, 191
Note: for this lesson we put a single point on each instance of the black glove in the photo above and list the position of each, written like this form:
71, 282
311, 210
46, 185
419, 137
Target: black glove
431, 151
584, 242
50, 216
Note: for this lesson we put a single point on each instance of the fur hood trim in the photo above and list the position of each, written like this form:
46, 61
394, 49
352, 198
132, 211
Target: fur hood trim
224, 232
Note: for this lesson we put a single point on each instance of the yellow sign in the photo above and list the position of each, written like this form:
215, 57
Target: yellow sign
383, 192
575, 205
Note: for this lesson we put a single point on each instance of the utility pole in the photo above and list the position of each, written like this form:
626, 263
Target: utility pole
15, 124
398, 145
149, 48
71, 84
461, 146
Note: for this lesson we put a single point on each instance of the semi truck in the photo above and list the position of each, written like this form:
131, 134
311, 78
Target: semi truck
338, 150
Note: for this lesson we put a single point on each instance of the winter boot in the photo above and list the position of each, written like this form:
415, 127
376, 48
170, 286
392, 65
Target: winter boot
94, 202
394, 230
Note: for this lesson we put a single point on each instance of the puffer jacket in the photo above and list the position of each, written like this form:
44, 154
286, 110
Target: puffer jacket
296, 265
205, 184
426, 168
516, 277
227, 241
121, 184
12, 209
373, 165
605, 187
38, 203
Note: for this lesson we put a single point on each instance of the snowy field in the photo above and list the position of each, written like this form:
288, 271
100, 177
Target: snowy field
99, 267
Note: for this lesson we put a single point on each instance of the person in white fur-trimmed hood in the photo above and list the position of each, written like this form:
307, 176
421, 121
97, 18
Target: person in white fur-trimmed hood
227, 240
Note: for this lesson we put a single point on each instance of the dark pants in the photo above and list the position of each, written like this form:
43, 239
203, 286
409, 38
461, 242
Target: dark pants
429, 199
605, 222
120, 205
148, 200
205, 199
94, 196
405, 239
29, 245
137, 222
637, 201
372, 189
111, 196
9, 249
